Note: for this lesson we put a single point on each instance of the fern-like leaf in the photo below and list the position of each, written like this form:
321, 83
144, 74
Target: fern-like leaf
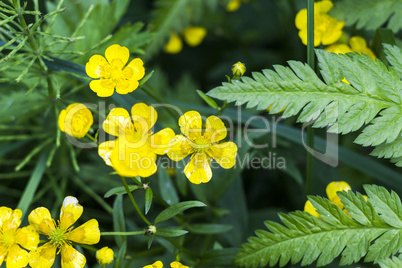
305, 238
369, 14
392, 262
373, 96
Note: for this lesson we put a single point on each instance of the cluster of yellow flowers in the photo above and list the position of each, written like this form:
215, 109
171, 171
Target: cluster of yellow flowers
16, 242
192, 35
134, 150
328, 30
331, 190
159, 264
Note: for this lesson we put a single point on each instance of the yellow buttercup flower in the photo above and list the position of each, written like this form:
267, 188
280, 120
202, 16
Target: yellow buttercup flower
193, 35
174, 45
61, 235
157, 264
75, 120
327, 30
105, 255
112, 72
13, 238
203, 145
133, 152
357, 44
177, 264
238, 69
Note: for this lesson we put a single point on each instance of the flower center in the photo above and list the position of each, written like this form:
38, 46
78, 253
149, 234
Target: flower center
200, 145
58, 237
7, 238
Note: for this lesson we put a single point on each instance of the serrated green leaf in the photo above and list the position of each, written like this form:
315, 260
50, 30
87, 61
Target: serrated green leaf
341, 107
391, 262
119, 190
305, 238
388, 205
369, 14
176, 209
165, 232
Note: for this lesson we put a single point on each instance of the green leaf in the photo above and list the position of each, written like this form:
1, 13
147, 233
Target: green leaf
118, 221
166, 187
165, 232
369, 14
148, 199
388, 205
120, 190
207, 99
332, 104
118, 263
305, 238
391, 262
208, 228
33, 183
176, 209
219, 257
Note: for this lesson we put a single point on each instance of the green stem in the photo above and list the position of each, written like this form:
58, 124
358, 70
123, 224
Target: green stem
310, 62
123, 233
133, 201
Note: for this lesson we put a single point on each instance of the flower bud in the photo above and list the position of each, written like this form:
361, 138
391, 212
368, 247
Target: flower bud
105, 256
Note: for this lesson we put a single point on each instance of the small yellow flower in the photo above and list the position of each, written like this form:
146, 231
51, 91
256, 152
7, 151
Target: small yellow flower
111, 72
62, 235
105, 256
234, 5
359, 44
339, 48
157, 264
174, 45
238, 69
76, 120
177, 264
13, 238
133, 152
334, 187
203, 145
327, 30
193, 35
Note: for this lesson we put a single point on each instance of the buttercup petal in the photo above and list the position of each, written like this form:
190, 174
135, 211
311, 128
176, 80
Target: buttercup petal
157, 264
331, 36
3, 254
71, 258
27, 237
13, 220
118, 122
105, 150
198, 170
134, 70
323, 6
359, 44
174, 44
215, 129
62, 117
102, 88
339, 48
191, 125
224, 154
126, 86
160, 141
70, 212
17, 257
94, 66
303, 36
41, 220
194, 35
177, 264
117, 55
76, 120
180, 148
308, 207
301, 19
131, 162
233, 5
42, 257
144, 117
5, 214
87, 233
332, 190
